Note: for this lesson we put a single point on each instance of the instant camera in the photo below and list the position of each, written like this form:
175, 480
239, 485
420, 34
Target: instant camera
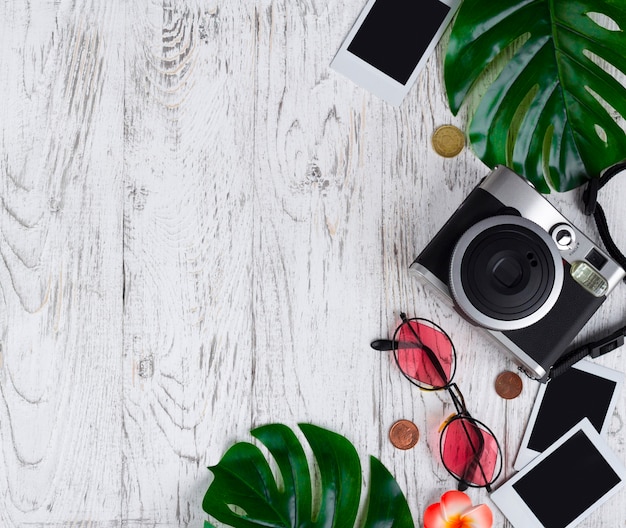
512, 265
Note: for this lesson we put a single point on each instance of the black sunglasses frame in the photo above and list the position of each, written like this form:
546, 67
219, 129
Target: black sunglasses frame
456, 395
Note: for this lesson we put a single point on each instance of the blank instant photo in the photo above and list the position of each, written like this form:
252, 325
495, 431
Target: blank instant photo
586, 390
564, 484
390, 43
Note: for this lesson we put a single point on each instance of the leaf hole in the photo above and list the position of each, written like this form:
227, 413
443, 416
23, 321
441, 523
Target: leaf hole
606, 66
601, 133
545, 155
604, 21
614, 114
516, 121
237, 510
618, 75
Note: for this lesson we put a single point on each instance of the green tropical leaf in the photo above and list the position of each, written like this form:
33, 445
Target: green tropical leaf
244, 492
552, 114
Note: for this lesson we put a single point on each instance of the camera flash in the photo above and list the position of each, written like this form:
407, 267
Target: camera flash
589, 278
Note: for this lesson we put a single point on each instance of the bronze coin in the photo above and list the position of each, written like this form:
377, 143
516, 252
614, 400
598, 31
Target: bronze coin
508, 385
404, 434
448, 141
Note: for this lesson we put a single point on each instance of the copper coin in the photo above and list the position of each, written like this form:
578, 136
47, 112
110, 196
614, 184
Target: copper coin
448, 141
404, 434
508, 385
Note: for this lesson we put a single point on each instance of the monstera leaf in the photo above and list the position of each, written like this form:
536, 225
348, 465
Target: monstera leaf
245, 493
552, 113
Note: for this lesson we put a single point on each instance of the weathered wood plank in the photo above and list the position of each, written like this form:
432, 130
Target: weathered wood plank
60, 239
317, 240
188, 249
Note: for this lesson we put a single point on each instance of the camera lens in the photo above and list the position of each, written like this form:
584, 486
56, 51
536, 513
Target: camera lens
506, 273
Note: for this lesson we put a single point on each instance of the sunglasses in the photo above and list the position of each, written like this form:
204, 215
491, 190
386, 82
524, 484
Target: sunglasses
427, 358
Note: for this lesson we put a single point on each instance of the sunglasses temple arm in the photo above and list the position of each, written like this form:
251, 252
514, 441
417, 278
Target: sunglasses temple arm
475, 460
382, 344
459, 403
431, 355
385, 345
463, 485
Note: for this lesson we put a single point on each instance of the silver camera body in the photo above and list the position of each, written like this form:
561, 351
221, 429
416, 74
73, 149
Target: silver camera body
511, 264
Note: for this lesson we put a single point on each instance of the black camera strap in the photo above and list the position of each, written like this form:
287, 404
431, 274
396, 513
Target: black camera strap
592, 207
593, 349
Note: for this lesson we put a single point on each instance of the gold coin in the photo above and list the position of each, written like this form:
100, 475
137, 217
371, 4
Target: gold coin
508, 385
448, 141
404, 434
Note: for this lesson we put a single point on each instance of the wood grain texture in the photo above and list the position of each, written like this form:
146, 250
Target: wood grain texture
202, 229
61, 247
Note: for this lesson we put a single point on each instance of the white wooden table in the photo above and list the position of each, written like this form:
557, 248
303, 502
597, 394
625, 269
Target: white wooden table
202, 229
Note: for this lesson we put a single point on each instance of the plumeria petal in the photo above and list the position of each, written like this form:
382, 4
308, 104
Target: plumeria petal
478, 517
433, 517
454, 503
456, 511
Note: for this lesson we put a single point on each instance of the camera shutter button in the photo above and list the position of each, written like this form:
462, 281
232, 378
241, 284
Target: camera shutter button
564, 236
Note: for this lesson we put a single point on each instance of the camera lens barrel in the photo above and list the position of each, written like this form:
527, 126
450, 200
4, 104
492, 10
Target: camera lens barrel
506, 272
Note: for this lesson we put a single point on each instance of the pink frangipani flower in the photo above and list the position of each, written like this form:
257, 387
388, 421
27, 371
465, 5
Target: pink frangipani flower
456, 511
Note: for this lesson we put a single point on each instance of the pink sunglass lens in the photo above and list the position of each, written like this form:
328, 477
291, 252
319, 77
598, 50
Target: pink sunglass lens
470, 452
417, 343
